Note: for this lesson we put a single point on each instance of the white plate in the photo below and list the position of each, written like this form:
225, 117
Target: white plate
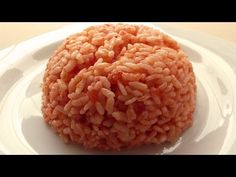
23, 130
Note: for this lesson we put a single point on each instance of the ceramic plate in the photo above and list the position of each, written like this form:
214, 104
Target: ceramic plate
23, 130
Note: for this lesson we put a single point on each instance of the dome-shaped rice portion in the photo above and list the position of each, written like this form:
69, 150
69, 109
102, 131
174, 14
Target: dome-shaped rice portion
119, 86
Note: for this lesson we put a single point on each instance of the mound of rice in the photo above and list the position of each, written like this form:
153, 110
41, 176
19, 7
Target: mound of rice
111, 87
